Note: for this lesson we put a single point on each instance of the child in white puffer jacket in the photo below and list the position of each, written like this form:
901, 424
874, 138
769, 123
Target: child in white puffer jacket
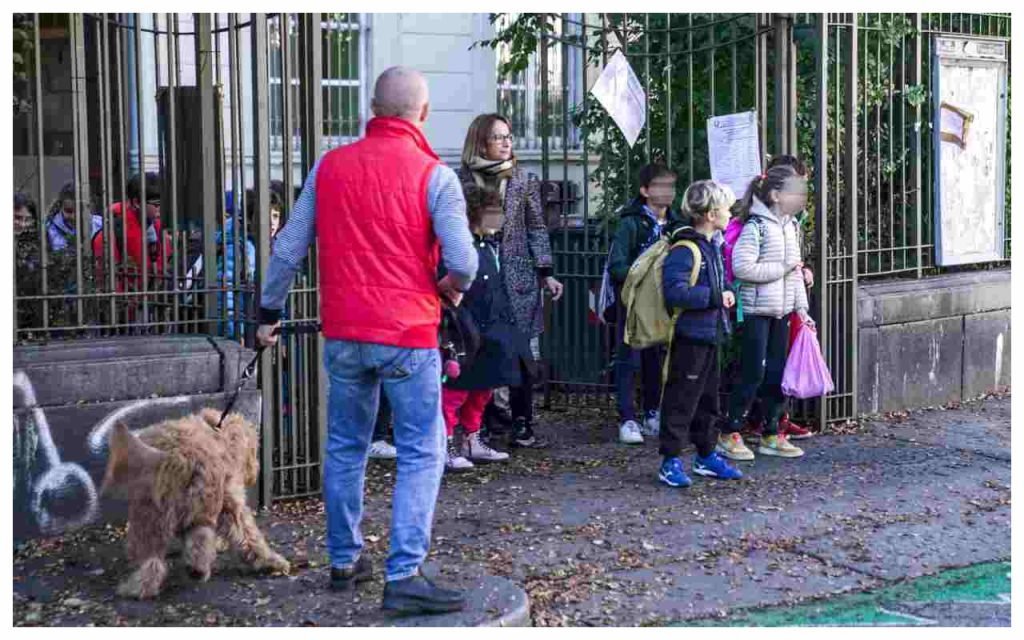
767, 263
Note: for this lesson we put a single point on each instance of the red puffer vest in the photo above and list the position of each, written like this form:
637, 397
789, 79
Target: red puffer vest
377, 251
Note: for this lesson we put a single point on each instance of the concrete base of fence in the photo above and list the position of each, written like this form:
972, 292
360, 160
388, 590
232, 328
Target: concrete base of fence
933, 341
69, 394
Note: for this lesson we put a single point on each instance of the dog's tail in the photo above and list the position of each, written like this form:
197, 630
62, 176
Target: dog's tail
129, 458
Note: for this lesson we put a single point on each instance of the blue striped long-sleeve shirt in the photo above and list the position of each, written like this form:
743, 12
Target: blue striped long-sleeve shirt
447, 208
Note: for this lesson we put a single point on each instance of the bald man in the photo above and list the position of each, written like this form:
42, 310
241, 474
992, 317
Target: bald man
382, 209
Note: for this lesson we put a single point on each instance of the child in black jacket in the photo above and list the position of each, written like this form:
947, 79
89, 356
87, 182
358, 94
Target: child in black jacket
504, 349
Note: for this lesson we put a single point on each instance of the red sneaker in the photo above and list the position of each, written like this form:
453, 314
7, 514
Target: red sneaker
792, 430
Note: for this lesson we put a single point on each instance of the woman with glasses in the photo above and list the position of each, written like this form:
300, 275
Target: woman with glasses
525, 254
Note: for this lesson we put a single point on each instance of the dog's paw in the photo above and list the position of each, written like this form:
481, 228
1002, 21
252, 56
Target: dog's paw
128, 589
134, 589
276, 563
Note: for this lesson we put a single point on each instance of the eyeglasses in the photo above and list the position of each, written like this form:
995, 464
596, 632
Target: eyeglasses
500, 138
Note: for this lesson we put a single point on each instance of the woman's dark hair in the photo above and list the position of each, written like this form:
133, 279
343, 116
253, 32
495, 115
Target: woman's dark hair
760, 187
477, 134
478, 199
648, 174
786, 160
22, 199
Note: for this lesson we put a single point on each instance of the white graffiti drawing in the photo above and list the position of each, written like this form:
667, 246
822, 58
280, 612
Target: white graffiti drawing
58, 475
101, 432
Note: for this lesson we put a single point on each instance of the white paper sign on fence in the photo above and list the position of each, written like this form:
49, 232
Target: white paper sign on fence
620, 93
734, 150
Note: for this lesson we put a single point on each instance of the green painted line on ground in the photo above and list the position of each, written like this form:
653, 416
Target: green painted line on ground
982, 583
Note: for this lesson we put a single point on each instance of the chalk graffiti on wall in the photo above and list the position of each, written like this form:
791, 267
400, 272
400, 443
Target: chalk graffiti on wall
101, 432
57, 477
61, 494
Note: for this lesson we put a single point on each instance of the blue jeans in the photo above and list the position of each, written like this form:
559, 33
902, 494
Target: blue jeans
411, 379
627, 362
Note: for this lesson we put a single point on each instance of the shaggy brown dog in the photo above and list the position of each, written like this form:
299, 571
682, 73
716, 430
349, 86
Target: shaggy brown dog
184, 478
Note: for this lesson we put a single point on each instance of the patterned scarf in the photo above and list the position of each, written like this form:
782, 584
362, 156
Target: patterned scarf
491, 172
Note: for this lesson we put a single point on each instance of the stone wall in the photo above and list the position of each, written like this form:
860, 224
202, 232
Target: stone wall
933, 341
69, 394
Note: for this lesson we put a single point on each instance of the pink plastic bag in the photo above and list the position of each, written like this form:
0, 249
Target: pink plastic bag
806, 374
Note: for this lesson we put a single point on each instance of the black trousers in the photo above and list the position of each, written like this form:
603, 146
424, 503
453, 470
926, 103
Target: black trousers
763, 350
689, 405
520, 399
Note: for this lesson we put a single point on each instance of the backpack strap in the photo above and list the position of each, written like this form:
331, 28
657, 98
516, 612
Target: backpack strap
694, 276
762, 231
695, 252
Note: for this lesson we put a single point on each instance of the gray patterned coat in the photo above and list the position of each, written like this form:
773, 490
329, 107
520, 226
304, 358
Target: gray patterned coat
764, 267
525, 247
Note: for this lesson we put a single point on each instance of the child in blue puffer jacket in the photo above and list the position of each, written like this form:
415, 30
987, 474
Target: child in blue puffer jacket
690, 395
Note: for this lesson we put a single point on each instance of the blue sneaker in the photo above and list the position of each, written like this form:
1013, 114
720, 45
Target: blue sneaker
714, 466
671, 473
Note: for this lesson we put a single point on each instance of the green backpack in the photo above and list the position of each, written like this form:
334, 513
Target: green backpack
648, 322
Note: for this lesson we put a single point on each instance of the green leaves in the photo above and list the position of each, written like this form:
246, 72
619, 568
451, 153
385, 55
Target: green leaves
916, 94
22, 37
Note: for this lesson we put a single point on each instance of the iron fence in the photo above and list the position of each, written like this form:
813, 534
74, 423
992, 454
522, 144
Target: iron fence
227, 113
211, 121
692, 67
845, 92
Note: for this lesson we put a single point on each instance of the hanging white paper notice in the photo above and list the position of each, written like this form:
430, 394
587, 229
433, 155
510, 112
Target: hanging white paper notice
620, 93
734, 150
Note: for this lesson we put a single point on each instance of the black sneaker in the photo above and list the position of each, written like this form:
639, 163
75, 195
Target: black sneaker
524, 437
342, 579
417, 594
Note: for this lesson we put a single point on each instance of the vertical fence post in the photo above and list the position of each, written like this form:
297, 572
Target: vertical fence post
915, 147
171, 197
761, 83
80, 150
793, 143
209, 200
821, 217
261, 217
37, 81
782, 79
312, 92
544, 133
850, 196
312, 142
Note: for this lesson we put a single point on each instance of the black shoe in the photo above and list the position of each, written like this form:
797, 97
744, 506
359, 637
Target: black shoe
417, 594
342, 579
524, 437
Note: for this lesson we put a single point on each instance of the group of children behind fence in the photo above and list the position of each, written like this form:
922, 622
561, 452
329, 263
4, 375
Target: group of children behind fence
724, 279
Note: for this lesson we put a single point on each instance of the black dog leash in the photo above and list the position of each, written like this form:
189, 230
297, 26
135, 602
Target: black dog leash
250, 369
